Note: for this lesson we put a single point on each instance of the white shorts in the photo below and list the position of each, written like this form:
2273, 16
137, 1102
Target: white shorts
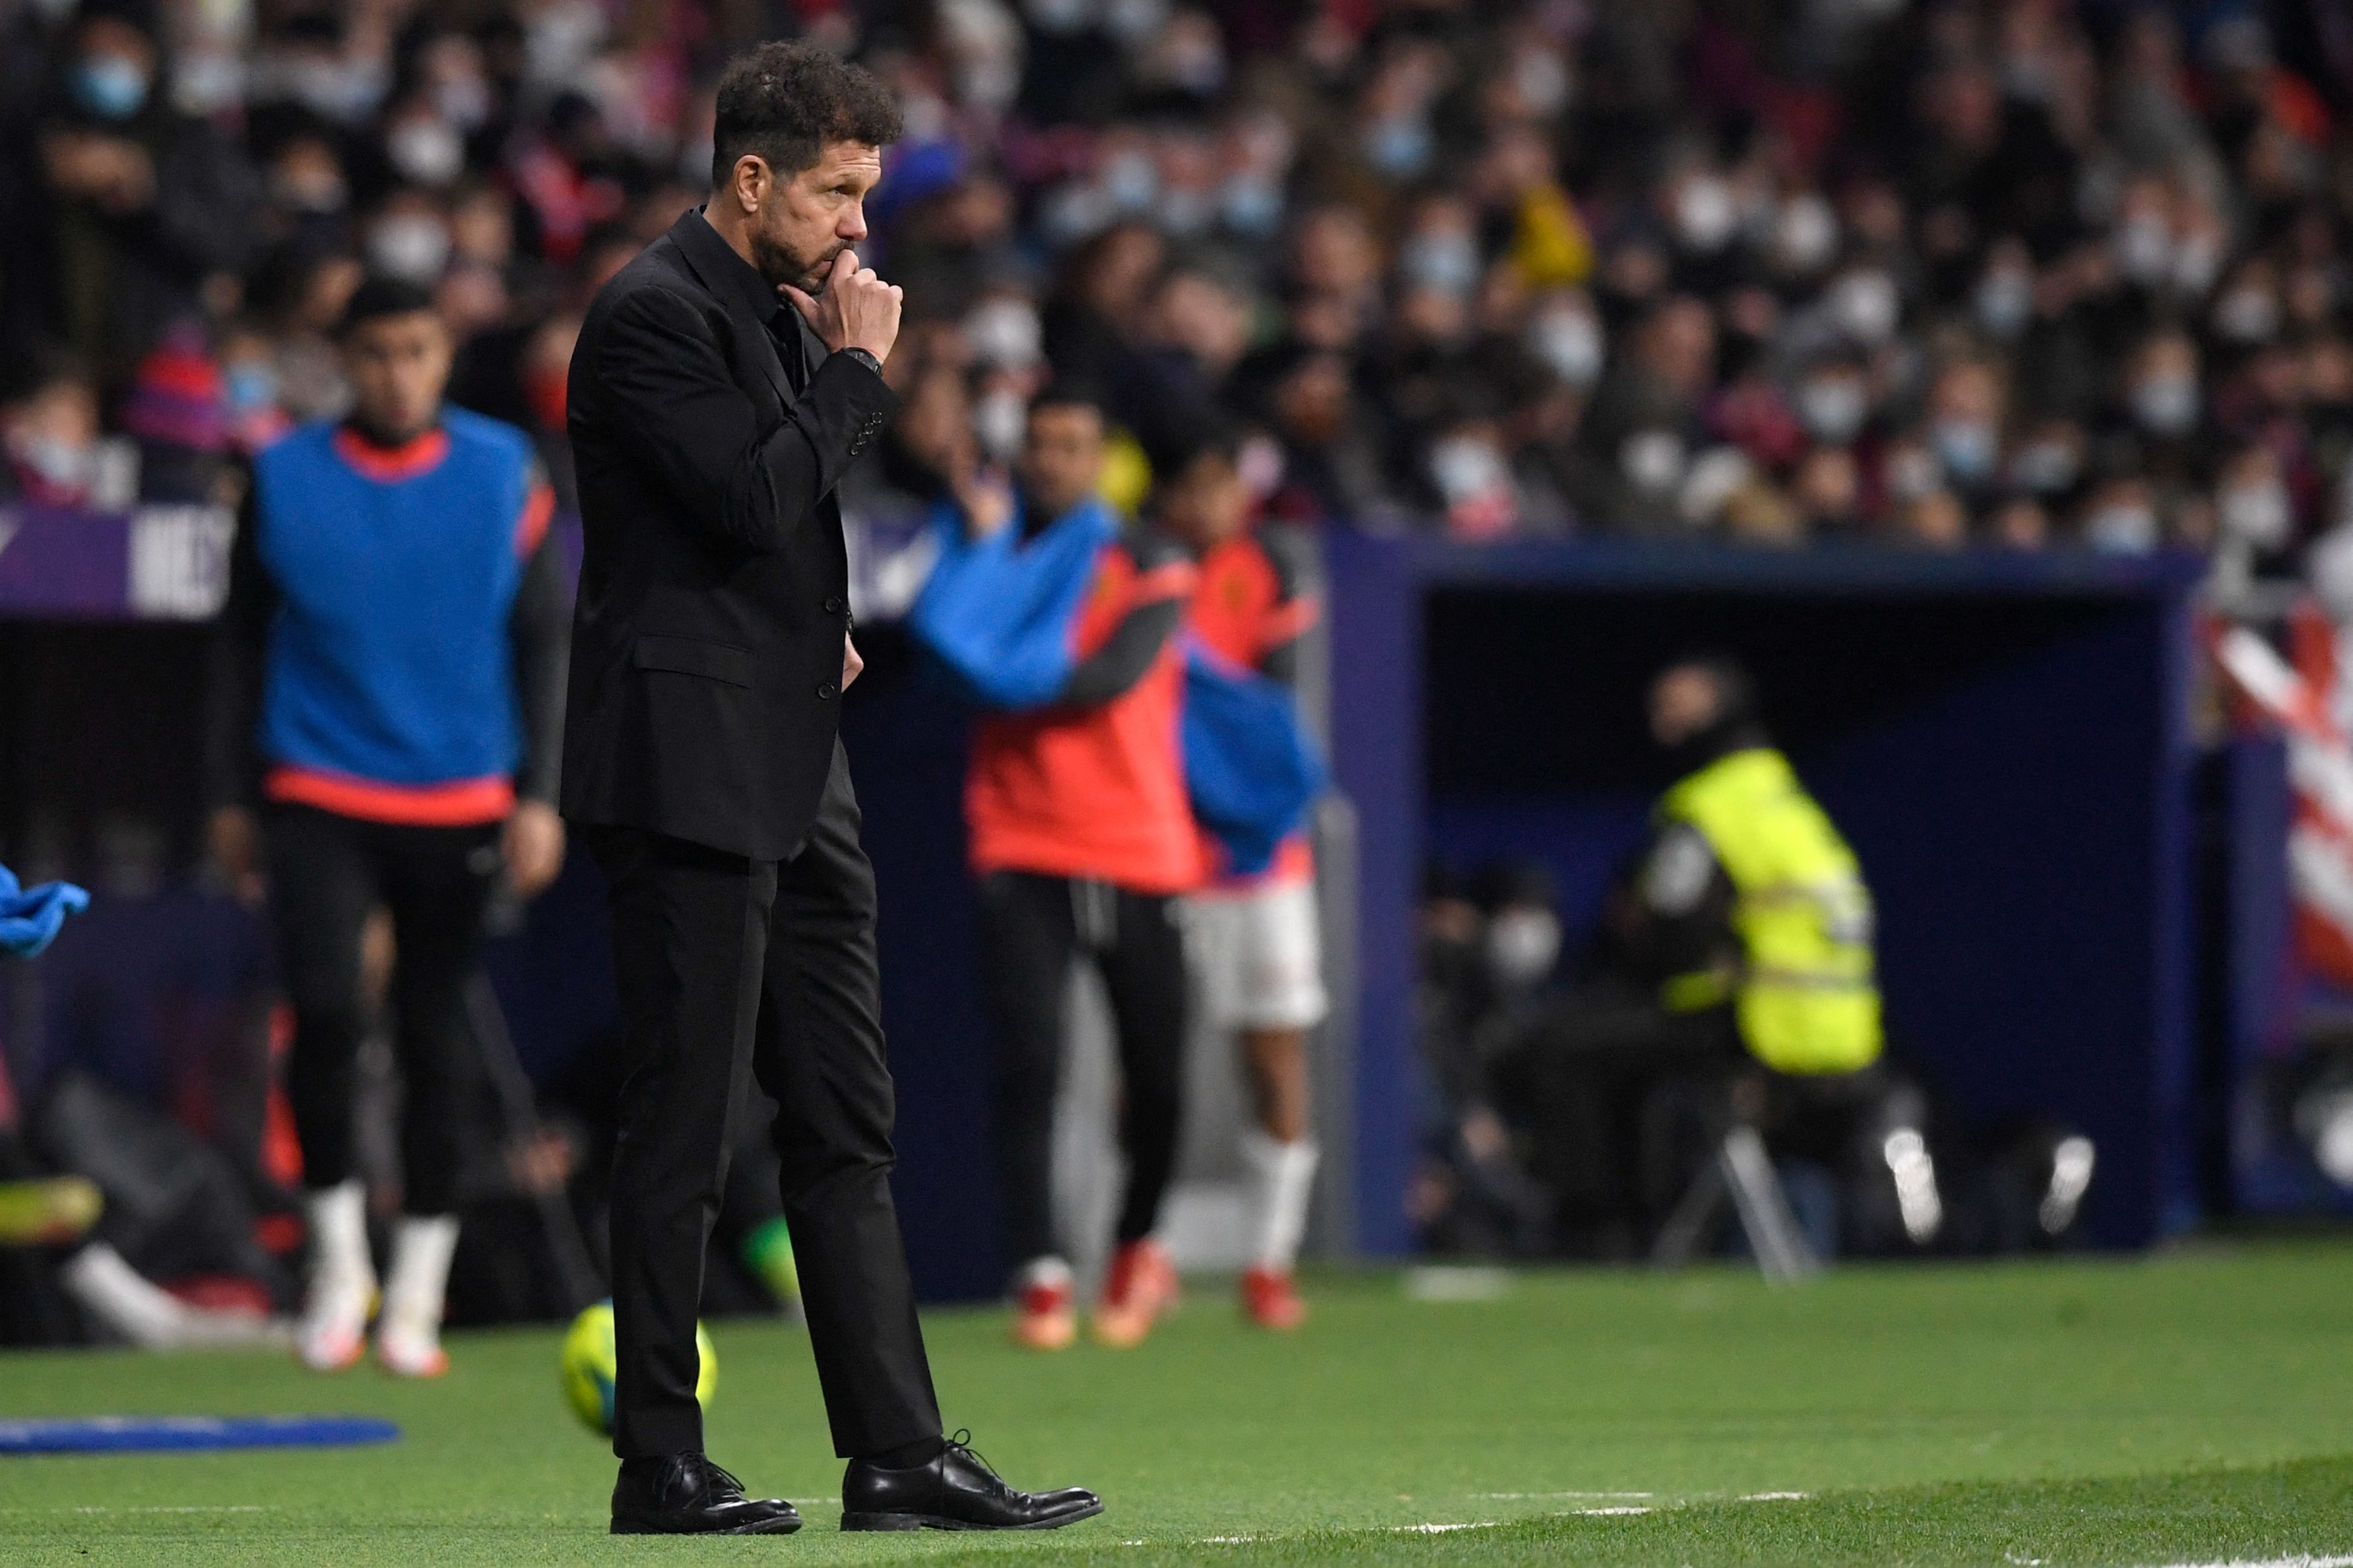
1260, 957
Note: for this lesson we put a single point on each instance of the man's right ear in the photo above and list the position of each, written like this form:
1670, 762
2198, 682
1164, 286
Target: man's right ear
749, 180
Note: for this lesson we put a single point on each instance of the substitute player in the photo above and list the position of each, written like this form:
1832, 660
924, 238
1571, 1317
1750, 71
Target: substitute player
1081, 838
1255, 939
388, 691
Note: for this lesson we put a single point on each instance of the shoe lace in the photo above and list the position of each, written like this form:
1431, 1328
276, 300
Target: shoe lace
962, 1443
717, 1477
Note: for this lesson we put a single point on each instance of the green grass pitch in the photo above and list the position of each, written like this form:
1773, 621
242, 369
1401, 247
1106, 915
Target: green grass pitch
2191, 1408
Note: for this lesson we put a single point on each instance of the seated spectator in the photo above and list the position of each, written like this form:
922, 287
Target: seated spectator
49, 428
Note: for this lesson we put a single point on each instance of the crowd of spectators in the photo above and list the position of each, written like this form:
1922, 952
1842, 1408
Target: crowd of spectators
1932, 273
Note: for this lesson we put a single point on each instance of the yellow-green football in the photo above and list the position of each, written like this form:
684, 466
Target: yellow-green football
588, 1367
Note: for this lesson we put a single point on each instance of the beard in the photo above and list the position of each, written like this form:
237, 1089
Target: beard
780, 264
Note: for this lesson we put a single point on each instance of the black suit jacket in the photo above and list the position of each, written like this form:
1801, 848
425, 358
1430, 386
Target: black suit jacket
706, 641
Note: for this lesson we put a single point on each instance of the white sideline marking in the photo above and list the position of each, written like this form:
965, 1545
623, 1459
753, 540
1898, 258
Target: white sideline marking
157, 1507
2345, 1562
1443, 1529
1776, 1497
1550, 1496
1608, 1513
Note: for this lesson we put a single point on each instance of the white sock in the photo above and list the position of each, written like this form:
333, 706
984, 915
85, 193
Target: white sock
419, 1279
1048, 1271
1281, 1179
339, 1246
124, 1300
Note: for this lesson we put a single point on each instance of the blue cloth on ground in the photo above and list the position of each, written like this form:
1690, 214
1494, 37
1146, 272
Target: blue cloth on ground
29, 917
995, 615
1249, 768
147, 1434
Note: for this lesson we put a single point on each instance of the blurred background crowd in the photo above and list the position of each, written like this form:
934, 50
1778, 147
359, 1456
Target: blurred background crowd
2012, 272
2020, 275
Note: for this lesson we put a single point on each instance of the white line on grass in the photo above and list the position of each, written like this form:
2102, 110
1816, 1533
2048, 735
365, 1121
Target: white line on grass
188, 1507
1553, 1497
2272, 1562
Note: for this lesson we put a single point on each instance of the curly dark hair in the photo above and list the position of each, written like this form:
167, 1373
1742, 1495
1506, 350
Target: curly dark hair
784, 102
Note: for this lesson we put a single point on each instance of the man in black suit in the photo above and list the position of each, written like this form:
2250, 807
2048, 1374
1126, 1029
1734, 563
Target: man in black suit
722, 382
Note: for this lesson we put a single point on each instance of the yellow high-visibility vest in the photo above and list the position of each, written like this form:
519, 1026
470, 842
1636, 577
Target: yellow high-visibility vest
1806, 998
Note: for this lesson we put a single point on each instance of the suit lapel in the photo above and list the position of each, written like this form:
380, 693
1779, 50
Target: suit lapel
701, 250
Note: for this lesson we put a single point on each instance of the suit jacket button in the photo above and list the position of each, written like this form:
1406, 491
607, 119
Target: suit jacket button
833, 605
827, 691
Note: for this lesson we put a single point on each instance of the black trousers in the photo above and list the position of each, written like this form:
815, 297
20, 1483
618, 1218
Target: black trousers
326, 873
1032, 927
729, 968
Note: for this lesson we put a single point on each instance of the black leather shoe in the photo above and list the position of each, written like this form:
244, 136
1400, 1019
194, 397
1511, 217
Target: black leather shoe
956, 1492
686, 1494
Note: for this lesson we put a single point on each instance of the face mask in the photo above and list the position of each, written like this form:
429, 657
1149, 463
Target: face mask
2258, 514
2124, 528
415, 248
342, 93
2195, 264
249, 386
1542, 81
1447, 261
1198, 66
2330, 564
1004, 334
1912, 473
2046, 468
1131, 180
1832, 408
996, 423
1523, 945
2166, 405
204, 84
1570, 345
2144, 249
1250, 205
1398, 146
61, 465
1132, 21
1464, 467
1652, 460
1965, 446
2247, 316
110, 86
1805, 235
464, 101
429, 151
1865, 305
1060, 15
2003, 303
1706, 213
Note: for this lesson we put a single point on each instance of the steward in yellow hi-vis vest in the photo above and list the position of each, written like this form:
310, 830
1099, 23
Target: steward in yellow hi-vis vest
1732, 977
1802, 986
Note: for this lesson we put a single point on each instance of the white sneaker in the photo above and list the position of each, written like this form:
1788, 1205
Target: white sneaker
333, 1330
408, 1334
410, 1350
